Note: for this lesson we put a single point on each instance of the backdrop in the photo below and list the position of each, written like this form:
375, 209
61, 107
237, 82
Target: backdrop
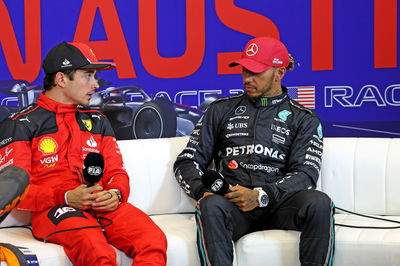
172, 57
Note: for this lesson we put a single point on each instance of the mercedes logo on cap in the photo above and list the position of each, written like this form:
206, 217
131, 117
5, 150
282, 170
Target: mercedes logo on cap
252, 49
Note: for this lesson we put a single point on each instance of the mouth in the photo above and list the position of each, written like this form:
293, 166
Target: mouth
249, 88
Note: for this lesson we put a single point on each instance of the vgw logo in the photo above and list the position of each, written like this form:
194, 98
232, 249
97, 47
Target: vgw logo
345, 96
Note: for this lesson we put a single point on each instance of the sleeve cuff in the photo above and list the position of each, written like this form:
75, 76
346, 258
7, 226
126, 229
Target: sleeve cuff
66, 198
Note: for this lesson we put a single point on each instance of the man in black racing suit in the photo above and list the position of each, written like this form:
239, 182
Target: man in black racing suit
268, 148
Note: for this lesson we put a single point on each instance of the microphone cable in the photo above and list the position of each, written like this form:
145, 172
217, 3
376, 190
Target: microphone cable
371, 217
64, 230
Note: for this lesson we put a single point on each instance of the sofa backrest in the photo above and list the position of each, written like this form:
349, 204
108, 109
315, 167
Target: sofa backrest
362, 174
149, 163
359, 174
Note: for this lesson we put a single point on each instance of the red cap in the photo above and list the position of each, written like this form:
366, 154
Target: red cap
262, 53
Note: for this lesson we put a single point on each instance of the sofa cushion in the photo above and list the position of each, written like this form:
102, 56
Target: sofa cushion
180, 230
367, 247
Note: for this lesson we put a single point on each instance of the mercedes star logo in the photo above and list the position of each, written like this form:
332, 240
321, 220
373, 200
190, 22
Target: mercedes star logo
240, 110
252, 49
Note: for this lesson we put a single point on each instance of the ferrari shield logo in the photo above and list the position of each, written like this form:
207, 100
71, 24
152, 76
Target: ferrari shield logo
88, 124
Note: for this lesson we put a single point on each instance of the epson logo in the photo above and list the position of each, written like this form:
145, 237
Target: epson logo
94, 170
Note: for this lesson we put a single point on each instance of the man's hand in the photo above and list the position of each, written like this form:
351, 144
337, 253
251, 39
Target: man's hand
106, 201
244, 198
82, 196
206, 194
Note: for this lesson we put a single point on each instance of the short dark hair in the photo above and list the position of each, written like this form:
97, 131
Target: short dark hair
48, 80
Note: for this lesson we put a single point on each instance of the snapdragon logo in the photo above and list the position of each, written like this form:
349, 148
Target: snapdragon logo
233, 164
255, 167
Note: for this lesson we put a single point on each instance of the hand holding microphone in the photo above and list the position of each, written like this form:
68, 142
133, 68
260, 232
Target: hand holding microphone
215, 182
83, 196
244, 198
93, 168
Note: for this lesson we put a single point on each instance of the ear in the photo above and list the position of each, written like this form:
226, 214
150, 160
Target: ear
60, 79
280, 73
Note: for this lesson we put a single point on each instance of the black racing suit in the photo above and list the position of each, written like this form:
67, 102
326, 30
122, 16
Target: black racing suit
273, 143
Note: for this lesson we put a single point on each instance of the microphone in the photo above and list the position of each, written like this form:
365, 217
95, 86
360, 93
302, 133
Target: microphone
14, 185
215, 182
93, 168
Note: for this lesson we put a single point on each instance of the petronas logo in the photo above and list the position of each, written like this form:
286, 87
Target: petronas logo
264, 101
284, 114
319, 131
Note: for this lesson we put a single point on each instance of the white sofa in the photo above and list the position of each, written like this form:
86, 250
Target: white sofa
360, 174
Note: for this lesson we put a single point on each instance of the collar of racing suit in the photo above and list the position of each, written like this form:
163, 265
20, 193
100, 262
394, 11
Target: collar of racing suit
270, 101
55, 106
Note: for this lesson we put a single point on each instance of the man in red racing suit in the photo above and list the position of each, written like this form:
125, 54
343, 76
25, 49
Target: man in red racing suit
50, 139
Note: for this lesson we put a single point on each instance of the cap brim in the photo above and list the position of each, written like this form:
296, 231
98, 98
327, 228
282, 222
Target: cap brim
99, 66
251, 65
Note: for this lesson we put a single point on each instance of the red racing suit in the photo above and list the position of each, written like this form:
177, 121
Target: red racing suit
50, 140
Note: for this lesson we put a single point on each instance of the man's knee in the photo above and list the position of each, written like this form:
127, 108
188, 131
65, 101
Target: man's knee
214, 205
318, 203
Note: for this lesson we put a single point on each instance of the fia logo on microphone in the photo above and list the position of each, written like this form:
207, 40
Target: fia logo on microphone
94, 170
217, 185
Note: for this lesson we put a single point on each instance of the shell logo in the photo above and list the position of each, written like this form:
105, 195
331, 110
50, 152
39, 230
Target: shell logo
47, 145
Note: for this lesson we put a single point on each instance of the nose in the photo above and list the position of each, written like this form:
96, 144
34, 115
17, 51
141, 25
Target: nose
246, 75
96, 84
